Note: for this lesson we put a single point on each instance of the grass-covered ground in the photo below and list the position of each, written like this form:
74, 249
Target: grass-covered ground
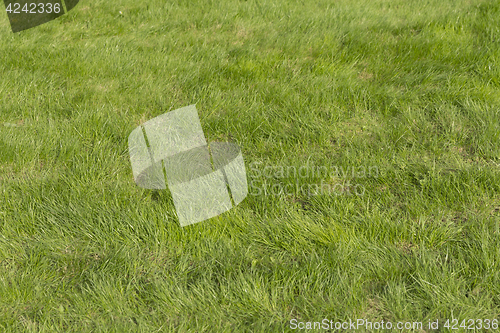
401, 97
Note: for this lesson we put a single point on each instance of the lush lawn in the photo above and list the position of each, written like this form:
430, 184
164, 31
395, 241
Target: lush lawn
401, 97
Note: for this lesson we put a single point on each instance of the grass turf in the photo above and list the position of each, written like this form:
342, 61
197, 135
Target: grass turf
397, 100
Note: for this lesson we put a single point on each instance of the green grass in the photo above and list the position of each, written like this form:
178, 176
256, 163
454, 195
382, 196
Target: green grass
410, 89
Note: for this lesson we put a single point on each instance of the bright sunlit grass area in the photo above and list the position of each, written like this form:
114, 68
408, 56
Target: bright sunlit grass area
389, 108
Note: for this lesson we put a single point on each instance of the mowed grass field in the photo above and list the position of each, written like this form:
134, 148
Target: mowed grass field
395, 105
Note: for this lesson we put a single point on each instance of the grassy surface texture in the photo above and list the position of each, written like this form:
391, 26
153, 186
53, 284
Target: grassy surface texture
371, 136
